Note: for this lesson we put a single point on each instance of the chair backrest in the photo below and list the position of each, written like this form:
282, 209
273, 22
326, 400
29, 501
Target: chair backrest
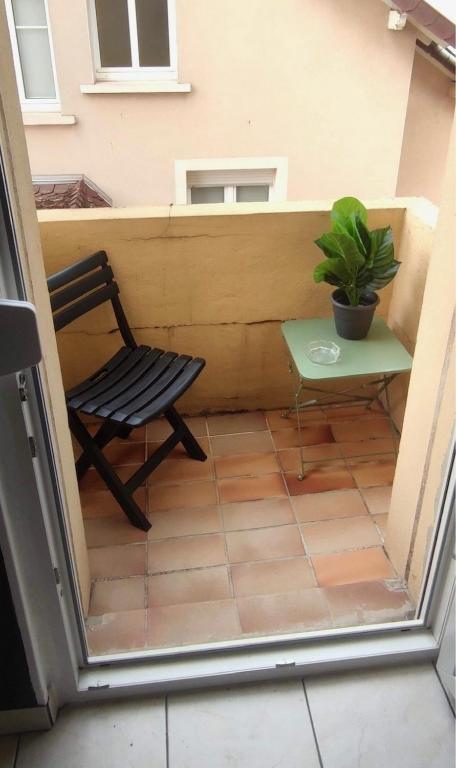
81, 287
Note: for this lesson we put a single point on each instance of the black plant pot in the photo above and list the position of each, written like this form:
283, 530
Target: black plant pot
353, 322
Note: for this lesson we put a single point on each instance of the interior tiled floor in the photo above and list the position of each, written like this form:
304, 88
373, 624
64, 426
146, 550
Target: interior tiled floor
238, 545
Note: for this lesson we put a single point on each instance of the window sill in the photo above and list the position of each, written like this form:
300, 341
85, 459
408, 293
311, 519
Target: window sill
148, 86
47, 118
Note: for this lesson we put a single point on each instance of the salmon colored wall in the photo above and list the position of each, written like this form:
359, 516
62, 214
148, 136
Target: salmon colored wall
325, 84
430, 114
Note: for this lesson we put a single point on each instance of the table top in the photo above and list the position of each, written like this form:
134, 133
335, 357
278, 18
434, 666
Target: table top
379, 352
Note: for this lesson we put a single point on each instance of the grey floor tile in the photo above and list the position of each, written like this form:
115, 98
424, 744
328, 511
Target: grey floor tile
255, 726
385, 718
8, 745
125, 734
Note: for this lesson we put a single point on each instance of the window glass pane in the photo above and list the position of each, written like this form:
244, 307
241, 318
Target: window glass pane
29, 13
207, 194
113, 33
252, 193
36, 66
153, 37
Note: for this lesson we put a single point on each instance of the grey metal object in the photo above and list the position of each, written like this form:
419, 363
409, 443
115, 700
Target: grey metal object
19, 341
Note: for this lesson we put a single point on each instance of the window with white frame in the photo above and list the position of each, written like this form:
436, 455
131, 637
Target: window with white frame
134, 39
33, 55
232, 180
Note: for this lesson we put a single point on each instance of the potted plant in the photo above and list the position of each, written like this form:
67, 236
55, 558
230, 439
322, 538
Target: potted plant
359, 262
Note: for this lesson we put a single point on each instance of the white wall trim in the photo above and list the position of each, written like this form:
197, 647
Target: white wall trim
278, 190
144, 86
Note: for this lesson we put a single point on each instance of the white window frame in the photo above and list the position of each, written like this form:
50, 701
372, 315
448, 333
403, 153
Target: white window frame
135, 72
27, 104
237, 169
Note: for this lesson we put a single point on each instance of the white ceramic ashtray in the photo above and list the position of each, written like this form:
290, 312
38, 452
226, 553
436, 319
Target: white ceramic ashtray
323, 352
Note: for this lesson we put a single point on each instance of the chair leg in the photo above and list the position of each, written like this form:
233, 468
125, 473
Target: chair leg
112, 480
105, 434
190, 444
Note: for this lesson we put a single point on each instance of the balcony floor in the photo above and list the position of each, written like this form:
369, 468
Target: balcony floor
239, 547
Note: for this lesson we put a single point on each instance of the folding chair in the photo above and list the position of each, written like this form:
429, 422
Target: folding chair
135, 386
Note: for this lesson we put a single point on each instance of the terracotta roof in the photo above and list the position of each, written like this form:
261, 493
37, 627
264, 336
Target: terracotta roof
430, 20
69, 194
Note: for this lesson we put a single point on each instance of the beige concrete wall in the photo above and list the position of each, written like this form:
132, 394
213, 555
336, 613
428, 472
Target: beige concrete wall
17, 171
325, 84
206, 283
430, 113
429, 414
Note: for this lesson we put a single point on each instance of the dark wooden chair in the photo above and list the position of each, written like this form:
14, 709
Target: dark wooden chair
135, 386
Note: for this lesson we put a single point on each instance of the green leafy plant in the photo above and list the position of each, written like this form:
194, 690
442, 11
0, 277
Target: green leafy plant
357, 260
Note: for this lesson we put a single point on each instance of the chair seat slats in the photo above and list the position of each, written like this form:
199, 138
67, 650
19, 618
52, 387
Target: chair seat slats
107, 381
99, 374
153, 391
148, 377
169, 396
77, 289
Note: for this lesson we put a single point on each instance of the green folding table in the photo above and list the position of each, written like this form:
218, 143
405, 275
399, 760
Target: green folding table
380, 355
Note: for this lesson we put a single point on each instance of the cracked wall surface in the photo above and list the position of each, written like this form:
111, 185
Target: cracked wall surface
204, 282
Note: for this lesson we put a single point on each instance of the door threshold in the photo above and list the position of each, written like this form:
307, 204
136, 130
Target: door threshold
247, 665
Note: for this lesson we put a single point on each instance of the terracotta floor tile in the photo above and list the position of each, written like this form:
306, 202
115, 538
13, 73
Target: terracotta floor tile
122, 631
257, 514
246, 464
324, 477
381, 521
250, 488
181, 587
348, 567
110, 531
290, 458
178, 470
209, 622
353, 412
113, 562
362, 429
186, 552
311, 434
367, 447
233, 423
337, 535
372, 602
272, 577
202, 494
276, 420
117, 595
378, 499
264, 544
93, 482
375, 472
159, 429
291, 612
249, 442
172, 523
103, 503
313, 507
122, 453
179, 451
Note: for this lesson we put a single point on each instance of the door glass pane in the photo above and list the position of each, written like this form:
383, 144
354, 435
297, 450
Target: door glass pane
207, 195
252, 193
113, 33
29, 13
153, 36
36, 65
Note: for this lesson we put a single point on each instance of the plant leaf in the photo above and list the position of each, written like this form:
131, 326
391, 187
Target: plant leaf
332, 271
382, 247
345, 207
337, 245
382, 276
